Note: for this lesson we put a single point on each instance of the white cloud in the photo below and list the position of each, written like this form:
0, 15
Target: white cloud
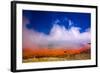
59, 37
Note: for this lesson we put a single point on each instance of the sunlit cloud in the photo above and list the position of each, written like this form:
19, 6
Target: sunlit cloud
59, 36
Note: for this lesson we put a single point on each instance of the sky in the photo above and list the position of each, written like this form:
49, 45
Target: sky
42, 21
59, 29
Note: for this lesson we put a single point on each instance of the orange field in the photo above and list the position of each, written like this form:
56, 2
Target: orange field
38, 54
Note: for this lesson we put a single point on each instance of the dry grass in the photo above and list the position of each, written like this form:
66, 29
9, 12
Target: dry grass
81, 56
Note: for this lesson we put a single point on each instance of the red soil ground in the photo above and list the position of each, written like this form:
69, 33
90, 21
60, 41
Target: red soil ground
45, 52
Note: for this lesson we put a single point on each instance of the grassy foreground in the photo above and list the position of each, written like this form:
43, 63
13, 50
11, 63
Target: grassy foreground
81, 56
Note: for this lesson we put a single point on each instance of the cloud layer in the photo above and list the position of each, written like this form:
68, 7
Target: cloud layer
59, 36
